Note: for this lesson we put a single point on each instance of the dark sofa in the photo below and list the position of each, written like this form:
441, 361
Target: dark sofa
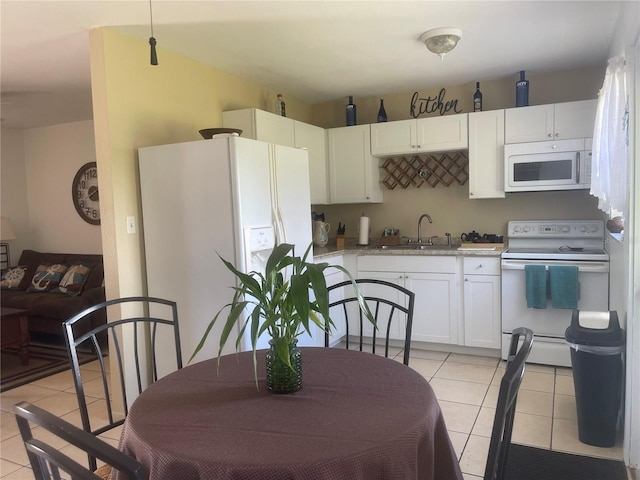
47, 310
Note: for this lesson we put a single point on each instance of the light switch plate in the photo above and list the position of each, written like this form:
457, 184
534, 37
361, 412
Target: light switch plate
131, 225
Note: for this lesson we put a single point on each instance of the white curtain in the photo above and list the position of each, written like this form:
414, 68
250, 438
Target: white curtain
609, 167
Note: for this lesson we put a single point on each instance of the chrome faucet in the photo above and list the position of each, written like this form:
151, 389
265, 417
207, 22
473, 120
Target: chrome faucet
420, 222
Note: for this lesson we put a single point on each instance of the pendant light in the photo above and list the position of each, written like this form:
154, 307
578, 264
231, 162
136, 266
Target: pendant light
152, 40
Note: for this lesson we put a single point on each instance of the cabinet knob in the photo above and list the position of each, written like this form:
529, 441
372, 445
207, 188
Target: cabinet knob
557, 134
549, 135
480, 266
466, 279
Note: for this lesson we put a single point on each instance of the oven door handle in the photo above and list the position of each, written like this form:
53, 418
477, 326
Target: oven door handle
582, 266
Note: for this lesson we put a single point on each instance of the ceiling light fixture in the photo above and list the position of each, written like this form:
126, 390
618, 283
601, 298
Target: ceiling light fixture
441, 40
152, 40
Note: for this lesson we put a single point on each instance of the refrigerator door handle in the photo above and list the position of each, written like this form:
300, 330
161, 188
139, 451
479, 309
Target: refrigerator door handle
281, 236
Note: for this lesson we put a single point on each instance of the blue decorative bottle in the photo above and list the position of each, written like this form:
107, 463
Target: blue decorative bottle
522, 91
382, 114
477, 99
351, 112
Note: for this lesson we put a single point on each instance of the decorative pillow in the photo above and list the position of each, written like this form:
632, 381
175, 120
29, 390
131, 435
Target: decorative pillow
73, 281
12, 277
47, 277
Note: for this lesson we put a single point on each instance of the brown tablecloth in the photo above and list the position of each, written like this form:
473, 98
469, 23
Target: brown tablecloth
358, 416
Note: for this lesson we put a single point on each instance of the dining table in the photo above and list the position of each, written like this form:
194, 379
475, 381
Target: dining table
357, 416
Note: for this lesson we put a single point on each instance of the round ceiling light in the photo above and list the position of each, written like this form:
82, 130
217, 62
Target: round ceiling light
441, 40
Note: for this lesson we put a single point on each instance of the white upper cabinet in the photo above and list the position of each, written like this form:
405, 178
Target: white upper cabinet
423, 135
559, 121
261, 125
486, 154
439, 134
353, 172
314, 139
269, 127
394, 138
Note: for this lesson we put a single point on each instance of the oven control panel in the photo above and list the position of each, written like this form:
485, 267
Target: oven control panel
556, 229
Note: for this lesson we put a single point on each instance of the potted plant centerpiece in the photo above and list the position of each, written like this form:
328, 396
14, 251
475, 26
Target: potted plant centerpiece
282, 302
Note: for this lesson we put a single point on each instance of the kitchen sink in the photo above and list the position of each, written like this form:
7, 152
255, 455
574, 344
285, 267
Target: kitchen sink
416, 247
434, 247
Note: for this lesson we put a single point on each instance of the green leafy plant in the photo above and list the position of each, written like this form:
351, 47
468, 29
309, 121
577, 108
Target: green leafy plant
283, 302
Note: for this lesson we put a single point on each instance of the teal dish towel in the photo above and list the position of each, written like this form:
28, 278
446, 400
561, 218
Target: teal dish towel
563, 283
536, 285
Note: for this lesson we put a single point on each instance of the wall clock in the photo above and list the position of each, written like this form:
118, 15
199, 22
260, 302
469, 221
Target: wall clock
85, 193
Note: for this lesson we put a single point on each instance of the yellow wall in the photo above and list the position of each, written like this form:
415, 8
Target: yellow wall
136, 105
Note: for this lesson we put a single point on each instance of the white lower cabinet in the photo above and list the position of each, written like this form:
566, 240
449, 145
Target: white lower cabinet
435, 316
482, 317
397, 330
332, 277
433, 280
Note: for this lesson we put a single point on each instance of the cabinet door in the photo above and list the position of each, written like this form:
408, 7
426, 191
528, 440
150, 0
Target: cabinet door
398, 326
439, 134
260, 125
575, 119
274, 128
353, 172
529, 124
486, 154
337, 315
314, 140
482, 311
290, 197
435, 316
393, 138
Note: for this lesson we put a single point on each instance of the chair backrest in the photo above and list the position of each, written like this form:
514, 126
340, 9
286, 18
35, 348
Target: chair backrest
391, 305
506, 408
51, 462
138, 346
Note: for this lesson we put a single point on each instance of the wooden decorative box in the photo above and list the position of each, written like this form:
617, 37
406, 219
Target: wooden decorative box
390, 240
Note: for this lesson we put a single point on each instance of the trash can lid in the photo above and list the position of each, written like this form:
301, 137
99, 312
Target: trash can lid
595, 328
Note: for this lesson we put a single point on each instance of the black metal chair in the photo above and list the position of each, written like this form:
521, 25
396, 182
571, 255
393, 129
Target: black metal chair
506, 408
141, 341
49, 462
390, 304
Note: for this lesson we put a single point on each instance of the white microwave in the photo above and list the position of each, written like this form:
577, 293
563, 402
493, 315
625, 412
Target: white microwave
554, 165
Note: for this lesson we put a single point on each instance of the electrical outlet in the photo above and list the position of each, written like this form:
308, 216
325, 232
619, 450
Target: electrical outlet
131, 225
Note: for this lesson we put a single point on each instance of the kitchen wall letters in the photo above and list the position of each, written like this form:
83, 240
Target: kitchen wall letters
432, 104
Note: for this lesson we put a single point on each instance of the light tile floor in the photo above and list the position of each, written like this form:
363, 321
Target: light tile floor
466, 387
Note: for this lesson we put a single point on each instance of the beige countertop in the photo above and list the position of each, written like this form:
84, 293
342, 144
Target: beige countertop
332, 250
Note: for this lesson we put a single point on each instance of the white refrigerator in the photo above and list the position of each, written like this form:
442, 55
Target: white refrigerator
207, 198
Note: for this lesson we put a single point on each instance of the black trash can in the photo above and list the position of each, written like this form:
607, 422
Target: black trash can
597, 343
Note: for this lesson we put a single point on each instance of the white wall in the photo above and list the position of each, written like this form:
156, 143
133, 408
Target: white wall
13, 190
626, 43
52, 156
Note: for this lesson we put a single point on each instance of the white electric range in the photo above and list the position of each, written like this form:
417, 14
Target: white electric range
578, 243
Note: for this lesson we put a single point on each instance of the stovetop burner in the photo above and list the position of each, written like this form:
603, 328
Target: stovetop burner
556, 240
586, 254
560, 250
